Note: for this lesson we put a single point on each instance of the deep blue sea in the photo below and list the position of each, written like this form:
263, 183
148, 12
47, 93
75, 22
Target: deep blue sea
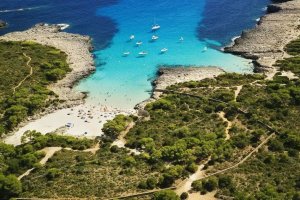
122, 82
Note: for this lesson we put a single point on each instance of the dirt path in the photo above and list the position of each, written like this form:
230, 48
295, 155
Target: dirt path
237, 91
198, 196
229, 124
92, 150
49, 151
30, 73
243, 160
186, 185
121, 141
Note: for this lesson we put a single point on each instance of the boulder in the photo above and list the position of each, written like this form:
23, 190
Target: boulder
2, 23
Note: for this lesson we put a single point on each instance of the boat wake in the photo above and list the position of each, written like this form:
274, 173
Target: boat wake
19, 10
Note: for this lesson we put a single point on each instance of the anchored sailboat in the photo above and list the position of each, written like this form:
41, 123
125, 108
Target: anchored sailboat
154, 37
164, 50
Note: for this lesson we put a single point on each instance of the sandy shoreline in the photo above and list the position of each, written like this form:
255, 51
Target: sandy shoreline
83, 120
87, 120
80, 60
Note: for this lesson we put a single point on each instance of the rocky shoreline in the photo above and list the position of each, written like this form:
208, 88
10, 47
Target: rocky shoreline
169, 76
78, 49
265, 43
79, 58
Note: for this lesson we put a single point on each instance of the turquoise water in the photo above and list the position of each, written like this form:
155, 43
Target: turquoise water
125, 81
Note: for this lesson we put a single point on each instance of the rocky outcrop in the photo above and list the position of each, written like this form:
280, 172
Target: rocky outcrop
171, 75
2, 23
265, 43
77, 48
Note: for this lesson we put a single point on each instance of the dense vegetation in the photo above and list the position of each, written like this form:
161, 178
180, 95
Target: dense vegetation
184, 130
14, 161
291, 63
274, 173
180, 132
108, 173
113, 128
48, 65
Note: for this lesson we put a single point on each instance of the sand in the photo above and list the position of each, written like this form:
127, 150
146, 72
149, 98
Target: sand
85, 120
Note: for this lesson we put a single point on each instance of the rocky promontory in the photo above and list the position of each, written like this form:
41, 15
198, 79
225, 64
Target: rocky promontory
265, 43
77, 48
168, 76
2, 23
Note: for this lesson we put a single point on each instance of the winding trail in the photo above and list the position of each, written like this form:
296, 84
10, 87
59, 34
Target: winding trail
121, 141
229, 124
237, 91
186, 185
30, 73
241, 161
92, 150
49, 151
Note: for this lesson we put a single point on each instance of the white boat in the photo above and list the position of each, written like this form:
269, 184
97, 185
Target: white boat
154, 37
181, 39
155, 27
139, 43
126, 53
205, 49
63, 26
164, 50
143, 53
131, 37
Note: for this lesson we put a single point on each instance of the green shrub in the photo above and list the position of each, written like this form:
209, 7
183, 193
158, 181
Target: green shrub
165, 195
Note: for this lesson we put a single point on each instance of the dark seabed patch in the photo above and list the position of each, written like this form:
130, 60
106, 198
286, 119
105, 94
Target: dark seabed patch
224, 19
81, 15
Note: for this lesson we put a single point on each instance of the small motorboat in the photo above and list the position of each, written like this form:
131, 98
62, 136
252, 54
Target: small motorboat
63, 26
164, 50
127, 53
154, 37
131, 37
181, 39
143, 53
155, 27
139, 43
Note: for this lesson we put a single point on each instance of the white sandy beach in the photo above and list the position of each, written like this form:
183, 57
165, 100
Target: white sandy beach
83, 120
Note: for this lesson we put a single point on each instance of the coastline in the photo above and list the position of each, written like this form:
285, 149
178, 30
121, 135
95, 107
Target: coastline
249, 45
77, 48
282, 23
169, 76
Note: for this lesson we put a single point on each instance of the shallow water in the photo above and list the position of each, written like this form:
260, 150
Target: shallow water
124, 81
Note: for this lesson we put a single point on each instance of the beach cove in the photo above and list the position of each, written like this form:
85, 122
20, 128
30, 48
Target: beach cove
120, 83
